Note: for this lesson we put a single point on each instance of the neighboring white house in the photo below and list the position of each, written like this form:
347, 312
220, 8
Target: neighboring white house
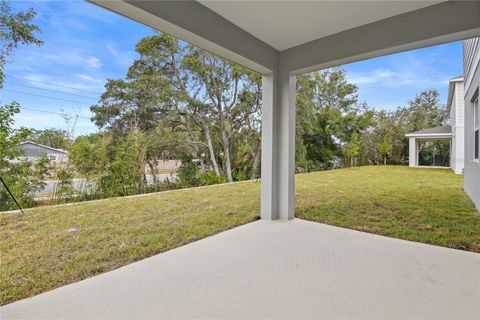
453, 132
471, 60
456, 108
430, 134
464, 129
33, 151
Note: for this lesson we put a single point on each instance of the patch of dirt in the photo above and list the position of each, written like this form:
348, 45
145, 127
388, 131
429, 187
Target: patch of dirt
363, 229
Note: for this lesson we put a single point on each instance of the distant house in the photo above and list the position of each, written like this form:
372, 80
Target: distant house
464, 128
456, 108
164, 165
33, 151
454, 132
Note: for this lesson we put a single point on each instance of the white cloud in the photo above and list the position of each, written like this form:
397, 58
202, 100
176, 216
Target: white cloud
89, 78
68, 83
417, 69
372, 77
112, 49
393, 78
92, 62
121, 57
71, 58
71, 8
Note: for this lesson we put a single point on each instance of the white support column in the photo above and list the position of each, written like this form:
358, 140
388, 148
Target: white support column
417, 152
278, 146
412, 152
268, 200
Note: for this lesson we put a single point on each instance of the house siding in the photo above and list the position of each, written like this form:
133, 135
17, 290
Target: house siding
471, 58
456, 105
459, 103
472, 82
458, 136
32, 152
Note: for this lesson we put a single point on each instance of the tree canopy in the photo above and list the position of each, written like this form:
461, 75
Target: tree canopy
15, 28
206, 104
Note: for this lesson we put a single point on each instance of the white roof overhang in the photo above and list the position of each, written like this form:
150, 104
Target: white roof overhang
303, 36
429, 135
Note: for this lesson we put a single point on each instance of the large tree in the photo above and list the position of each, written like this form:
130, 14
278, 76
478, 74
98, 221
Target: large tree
204, 99
22, 177
389, 128
15, 28
329, 114
55, 138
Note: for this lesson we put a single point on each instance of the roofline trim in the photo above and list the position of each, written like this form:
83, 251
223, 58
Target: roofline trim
412, 135
451, 86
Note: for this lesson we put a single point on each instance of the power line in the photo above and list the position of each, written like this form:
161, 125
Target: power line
50, 112
48, 97
54, 84
49, 90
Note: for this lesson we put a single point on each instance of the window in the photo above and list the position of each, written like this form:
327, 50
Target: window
52, 157
476, 128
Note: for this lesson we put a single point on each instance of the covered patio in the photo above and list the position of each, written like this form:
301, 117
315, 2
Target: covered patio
281, 267
276, 269
430, 134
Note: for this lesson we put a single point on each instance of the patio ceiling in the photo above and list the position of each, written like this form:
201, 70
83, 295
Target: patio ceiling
304, 35
286, 24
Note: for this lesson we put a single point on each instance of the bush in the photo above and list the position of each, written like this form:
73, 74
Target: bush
210, 178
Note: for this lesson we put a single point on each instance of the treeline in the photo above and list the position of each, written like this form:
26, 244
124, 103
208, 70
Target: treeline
186, 103
180, 102
189, 104
334, 129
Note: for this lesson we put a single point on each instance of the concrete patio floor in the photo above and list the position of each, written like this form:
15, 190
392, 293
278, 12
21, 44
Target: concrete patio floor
276, 269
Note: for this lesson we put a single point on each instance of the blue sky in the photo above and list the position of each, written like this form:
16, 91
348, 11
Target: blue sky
85, 45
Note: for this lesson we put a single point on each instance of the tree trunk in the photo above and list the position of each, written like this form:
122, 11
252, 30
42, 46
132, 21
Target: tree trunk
226, 156
351, 161
208, 138
195, 148
384, 160
153, 172
256, 160
225, 142
202, 164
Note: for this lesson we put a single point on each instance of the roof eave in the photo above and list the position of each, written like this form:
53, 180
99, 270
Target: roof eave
451, 88
44, 146
428, 135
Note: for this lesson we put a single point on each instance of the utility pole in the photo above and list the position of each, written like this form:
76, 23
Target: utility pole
72, 134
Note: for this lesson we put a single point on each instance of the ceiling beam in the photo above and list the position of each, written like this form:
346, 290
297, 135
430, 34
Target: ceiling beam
194, 23
440, 23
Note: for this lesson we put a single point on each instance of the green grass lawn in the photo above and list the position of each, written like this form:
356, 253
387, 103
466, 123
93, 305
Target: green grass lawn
425, 205
52, 246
